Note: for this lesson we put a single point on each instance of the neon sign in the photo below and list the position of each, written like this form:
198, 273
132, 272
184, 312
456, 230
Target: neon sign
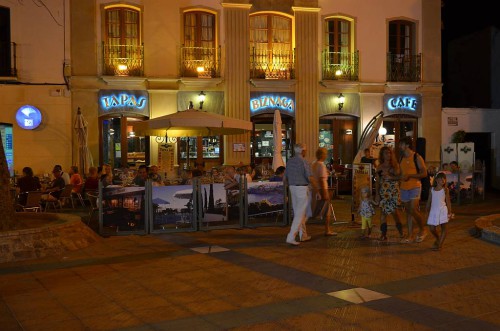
407, 103
120, 102
272, 102
28, 117
123, 100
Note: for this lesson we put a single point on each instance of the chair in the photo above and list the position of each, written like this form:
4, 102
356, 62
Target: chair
33, 199
93, 198
65, 195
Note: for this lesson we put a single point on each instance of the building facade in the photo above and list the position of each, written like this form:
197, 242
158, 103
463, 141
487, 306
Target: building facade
36, 120
329, 67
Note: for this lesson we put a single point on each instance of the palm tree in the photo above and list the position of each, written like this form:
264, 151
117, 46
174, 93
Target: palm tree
7, 216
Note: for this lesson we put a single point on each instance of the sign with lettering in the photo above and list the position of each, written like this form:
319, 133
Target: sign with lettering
267, 102
408, 104
119, 102
452, 121
28, 117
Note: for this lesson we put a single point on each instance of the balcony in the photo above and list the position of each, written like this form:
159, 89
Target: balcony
272, 64
123, 60
8, 60
200, 62
340, 65
404, 68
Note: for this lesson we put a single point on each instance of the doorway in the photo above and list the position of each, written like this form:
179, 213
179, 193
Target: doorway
339, 135
262, 141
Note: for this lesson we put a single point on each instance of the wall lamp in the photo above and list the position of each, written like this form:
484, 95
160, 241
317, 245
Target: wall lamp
201, 99
341, 101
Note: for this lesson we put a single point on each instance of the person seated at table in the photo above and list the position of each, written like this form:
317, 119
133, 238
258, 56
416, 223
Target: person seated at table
92, 181
64, 175
200, 166
454, 168
57, 185
155, 176
27, 183
244, 171
367, 158
142, 176
106, 175
278, 175
187, 177
75, 179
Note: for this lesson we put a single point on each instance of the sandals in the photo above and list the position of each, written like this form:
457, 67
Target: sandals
421, 238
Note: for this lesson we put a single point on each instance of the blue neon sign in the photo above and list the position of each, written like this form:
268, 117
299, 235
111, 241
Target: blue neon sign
123, 102
28, 117
270, 102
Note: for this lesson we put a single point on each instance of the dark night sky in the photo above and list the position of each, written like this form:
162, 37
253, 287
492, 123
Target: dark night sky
459, 19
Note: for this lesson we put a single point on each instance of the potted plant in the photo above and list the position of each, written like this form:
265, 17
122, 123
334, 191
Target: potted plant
458, 137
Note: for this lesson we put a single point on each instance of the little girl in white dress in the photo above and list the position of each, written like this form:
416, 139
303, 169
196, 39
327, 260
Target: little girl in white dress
440, 209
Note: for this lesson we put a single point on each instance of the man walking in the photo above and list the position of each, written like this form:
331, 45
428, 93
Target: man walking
298, 177
412, 169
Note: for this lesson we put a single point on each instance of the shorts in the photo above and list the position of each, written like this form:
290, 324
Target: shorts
407, 195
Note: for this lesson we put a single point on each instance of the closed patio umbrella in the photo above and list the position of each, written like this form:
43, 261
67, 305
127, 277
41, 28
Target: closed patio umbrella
84, 156
277, 158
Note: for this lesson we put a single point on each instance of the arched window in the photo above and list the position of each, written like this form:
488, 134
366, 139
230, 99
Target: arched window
403, 64
123, 51
199, 53
340, 61
271, 46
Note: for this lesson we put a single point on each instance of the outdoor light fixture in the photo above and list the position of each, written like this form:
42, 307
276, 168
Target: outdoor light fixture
338, 72
382, 132
341, 101
200, 69
201, 99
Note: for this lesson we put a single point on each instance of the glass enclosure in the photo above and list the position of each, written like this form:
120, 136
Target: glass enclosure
120, 146
7, 141
263, 141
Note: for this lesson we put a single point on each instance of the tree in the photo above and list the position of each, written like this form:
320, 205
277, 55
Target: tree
8, 219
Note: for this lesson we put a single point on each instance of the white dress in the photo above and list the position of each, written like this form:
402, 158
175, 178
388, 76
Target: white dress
439, 212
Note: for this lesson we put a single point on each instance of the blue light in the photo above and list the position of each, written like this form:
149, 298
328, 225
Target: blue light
28, 117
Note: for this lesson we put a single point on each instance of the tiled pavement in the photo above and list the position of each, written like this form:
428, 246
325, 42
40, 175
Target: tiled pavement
250, 279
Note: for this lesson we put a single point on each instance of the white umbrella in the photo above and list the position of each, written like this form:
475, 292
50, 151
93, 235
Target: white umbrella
369, 138
277, 159
84, 156
191, 123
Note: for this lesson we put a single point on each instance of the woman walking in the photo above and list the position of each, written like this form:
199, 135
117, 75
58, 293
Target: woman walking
387, 190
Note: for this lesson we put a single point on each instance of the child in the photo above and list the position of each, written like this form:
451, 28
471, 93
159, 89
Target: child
440, 209
366, 211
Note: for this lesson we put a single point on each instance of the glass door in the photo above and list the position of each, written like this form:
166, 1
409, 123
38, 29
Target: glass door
262, 143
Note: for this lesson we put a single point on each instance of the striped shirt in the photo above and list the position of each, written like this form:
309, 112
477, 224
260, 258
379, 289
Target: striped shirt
297, 171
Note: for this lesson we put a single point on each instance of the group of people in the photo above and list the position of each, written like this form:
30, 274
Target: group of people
397, 183
29, 182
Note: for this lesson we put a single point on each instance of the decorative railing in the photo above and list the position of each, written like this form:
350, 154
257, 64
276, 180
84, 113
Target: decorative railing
272, 64
8, 61
202, 62
340, 65
123, 60
404, 68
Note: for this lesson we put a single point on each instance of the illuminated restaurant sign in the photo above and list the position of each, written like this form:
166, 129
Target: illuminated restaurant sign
123, 102
410, 104
28, 117
268, 102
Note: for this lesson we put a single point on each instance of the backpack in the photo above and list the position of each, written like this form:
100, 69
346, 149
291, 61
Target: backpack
425, 181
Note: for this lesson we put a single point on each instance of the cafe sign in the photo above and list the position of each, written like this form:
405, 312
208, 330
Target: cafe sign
120, 102
268, 102
28, 117
405, 104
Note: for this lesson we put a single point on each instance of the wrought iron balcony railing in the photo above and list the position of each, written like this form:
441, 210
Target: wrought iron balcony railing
404, 68
123, 60
272, 64
8, 59
202, 62
340, 65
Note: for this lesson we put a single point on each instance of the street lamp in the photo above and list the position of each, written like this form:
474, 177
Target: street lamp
201, 99
341, 101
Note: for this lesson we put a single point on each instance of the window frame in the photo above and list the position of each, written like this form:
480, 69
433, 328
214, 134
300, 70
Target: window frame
398, 38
